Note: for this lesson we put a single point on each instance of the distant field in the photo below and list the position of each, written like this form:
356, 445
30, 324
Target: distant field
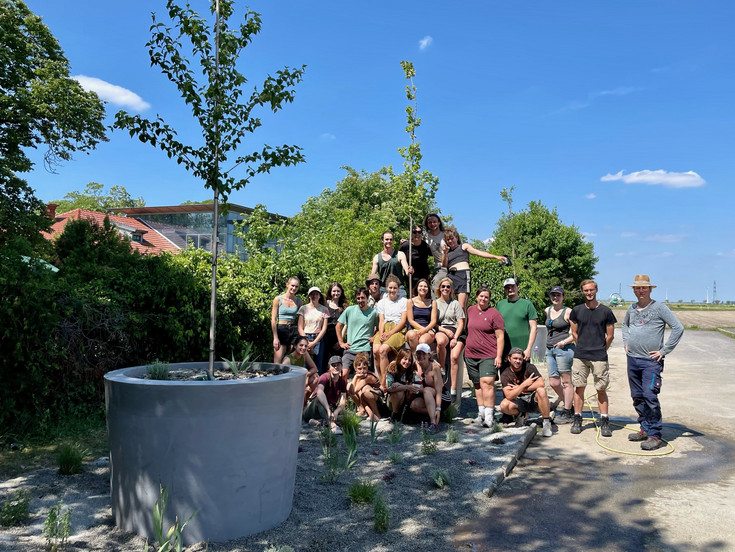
705, 318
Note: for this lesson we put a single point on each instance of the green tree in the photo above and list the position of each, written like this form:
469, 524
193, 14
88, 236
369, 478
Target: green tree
40, 105
546, 253
94, 198
218, 102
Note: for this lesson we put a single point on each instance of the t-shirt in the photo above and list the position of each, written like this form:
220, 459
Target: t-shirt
516, 316
591, 331
392, 311
419, 259
332, 389
511, 377
448, 314
436, 245
313, 317
643, 330
481, 326
361, 326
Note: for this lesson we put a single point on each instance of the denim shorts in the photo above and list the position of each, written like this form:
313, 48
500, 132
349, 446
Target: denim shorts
559, 360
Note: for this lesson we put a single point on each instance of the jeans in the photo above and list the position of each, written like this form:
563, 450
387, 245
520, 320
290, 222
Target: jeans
559, 360
644, 377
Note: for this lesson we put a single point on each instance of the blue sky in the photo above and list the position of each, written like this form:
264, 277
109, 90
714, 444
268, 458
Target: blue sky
619, 114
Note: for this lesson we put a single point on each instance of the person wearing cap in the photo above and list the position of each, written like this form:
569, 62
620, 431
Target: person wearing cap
358, 323
419, 256
643, 338
560, 353
593, 329
520, 317
390, 261
524, 391
373, 286
312, 323
329, 398
456, 259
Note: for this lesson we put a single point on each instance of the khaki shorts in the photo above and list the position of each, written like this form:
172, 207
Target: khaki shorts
397, 340
600, 370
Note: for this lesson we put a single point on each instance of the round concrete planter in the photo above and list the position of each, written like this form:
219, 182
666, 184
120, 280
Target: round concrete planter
225, 449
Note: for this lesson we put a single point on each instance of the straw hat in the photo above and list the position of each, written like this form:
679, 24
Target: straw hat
642, 280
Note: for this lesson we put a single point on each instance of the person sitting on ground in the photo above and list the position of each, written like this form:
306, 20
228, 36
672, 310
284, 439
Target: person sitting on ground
283, 319
364, 389
329, 398
524, 391
429, 402
450, 323
421, 315
391, 262
400, 382
312, 323
391, 327
456, 258
299, 356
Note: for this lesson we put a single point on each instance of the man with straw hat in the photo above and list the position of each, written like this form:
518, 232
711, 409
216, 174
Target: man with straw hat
643, 338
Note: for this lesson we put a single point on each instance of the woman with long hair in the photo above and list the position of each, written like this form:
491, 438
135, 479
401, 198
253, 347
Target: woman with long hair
391, 327
400, 381
450, 323
336, 304
312, 323
421, 316
560, 352
299, 356
283, 319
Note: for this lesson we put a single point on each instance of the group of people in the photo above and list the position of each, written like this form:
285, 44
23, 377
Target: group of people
387, 338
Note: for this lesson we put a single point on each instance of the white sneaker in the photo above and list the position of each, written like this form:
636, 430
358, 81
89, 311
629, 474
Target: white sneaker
479, 420
546, 430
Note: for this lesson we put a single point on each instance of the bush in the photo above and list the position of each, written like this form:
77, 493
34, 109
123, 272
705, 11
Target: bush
159, 371
57, 527
69, 457
440, 478
14, 510
428, 444
362, 492
381, 514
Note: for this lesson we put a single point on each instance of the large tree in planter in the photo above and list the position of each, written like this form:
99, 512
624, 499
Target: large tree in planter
218, 102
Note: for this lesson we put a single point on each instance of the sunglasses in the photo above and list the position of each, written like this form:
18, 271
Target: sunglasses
417, 232
445, 287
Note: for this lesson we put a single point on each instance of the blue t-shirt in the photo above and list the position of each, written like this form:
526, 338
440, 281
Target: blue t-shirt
361, 326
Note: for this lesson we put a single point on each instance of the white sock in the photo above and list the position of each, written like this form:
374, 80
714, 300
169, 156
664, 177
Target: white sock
489, 414
453, 392
482, 411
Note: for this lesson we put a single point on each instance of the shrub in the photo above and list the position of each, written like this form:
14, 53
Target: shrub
447, 416
381, 514
57, 527
362, 492
428, 444
158, 371
440, 478
350, 421
452, 435
69, 458
395, 457
14, 510
396, 435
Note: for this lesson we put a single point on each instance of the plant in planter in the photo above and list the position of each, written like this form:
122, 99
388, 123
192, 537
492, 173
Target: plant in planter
226, 449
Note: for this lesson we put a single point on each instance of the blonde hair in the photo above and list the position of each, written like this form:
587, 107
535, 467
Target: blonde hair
437, 291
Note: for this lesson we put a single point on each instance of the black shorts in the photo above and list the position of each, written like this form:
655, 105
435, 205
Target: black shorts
460, 279
526, 402
287, 333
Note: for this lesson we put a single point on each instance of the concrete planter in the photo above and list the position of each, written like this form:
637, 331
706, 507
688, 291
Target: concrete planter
226, 449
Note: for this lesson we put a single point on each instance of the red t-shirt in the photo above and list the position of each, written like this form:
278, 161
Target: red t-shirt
332, 389
481, 326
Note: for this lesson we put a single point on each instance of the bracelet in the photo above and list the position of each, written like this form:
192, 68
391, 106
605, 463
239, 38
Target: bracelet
438, 408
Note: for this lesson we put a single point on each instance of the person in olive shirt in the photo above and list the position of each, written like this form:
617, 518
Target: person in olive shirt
520, 318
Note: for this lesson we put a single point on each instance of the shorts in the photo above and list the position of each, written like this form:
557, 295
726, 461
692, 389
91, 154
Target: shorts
480, 368
600, 370
460, 279
526, 402
348, 358
287, 333
559, 360
397, 340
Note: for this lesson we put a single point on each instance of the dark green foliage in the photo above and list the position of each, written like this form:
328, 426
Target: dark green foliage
381, 514
350, 421
428, 444
362, 492
69, 458
14, 509
94, 199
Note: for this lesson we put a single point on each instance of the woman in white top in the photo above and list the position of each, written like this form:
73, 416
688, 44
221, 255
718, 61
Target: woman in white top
312, 323
391, 327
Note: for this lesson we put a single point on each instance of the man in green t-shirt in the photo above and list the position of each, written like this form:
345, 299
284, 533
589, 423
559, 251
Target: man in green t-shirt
359, 322
520, 317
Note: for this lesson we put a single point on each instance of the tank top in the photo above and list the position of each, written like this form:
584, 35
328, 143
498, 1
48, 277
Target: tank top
391, 266
456, 256
421, 315
297, 362
333, 316
287, 314
558, 329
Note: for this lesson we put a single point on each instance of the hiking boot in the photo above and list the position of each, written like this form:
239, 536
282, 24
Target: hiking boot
639, 436
546, 431
652, 443
576, 425
605, 430
565, 417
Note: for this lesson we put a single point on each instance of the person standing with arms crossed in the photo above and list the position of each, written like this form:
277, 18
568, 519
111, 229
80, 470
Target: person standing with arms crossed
593, 326
643, 338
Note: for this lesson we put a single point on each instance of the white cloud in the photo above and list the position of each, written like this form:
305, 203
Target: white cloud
628, 234
425, 42
116, 95
328, 136
588, 235
726, 253
667, 238
659, 177
592, 96
591, 196
488, 241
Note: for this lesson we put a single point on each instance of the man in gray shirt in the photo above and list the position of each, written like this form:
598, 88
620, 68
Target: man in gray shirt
643, 338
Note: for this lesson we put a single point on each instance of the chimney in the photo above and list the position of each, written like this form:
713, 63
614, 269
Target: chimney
51, 210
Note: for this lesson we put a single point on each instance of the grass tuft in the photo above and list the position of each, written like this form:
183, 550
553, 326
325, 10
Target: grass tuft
440, 478
381, 514
395, 457
362, 492
158, 370
452, 435
69, 458
350, 421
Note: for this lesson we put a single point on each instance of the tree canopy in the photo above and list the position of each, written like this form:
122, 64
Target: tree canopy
94, 198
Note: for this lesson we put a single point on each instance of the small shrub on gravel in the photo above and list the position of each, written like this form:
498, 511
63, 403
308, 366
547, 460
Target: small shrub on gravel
14, 510
452, 435
440, 478
428, 444
396, 435
69, 457
362, 492
350, 420
395, 457
381, 513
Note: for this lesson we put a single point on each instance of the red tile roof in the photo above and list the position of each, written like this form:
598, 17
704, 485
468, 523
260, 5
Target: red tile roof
153, 242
